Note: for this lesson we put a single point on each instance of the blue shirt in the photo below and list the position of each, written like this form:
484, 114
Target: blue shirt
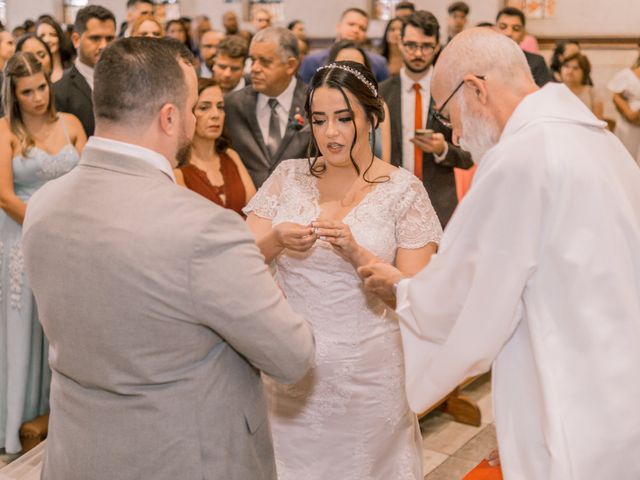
317, 59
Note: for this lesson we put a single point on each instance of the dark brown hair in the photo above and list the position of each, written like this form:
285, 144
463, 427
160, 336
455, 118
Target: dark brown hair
87, 13
370, 101
136, 76
29, 36
65, 48
222, 142
21, 65
234, 46
584, 64
344, 45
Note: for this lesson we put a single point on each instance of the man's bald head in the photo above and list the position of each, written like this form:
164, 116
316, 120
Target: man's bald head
480, 51
478, 82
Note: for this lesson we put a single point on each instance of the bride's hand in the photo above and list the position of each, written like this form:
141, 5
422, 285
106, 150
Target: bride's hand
293, 236
339, 236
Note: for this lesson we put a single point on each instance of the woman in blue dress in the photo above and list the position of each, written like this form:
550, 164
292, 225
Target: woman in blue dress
36, 145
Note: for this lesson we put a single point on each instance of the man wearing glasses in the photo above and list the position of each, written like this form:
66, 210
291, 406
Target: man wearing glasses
538, 273
420, 143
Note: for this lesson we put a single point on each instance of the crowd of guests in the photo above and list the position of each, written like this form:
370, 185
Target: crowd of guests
251, 113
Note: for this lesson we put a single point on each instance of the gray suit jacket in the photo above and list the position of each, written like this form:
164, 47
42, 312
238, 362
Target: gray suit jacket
160, 313
242, 128
438, 178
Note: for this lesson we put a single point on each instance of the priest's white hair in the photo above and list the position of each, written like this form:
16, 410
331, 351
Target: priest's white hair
481, 51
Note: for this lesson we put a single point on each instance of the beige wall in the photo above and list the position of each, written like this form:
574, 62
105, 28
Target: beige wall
573, 17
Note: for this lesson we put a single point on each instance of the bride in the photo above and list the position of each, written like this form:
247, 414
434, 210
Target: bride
318, 220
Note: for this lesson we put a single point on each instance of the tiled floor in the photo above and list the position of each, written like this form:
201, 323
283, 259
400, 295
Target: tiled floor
451, 449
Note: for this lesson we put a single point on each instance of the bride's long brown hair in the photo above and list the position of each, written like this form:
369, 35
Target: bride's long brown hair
370, 100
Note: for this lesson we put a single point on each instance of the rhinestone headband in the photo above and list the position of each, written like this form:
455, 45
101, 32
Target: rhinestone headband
353, 72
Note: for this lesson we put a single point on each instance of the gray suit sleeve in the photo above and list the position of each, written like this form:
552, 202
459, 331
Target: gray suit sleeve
234, 294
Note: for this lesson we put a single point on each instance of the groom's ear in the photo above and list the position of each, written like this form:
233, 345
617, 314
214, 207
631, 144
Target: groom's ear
168, 119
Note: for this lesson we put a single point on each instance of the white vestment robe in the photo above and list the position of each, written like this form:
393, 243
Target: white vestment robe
538, 273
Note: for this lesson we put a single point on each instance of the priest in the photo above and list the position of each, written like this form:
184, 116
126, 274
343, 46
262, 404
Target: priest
538, 273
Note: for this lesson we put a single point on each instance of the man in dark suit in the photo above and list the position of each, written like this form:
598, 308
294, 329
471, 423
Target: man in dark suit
265, 121
431, 156
510, 21
94, 29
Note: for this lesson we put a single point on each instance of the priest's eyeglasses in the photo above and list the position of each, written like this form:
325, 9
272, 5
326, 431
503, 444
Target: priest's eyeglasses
443, 119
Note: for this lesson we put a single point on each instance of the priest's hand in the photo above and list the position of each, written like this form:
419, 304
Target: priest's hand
435, 144
293, 236
381, 279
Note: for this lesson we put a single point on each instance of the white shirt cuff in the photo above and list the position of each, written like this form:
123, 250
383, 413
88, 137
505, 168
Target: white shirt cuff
402, 295
440, 158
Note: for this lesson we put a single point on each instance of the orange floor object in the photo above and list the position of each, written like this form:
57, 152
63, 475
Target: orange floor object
484, 471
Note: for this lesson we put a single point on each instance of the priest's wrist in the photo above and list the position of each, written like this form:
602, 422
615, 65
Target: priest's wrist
394, 286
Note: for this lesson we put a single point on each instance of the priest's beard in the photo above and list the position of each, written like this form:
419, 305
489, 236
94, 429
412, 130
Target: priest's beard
479, 132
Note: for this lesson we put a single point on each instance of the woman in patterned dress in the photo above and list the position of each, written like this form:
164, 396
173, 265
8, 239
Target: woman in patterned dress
318, 220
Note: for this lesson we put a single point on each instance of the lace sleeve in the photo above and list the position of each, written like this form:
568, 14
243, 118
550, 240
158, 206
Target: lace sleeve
417, 223
265, 202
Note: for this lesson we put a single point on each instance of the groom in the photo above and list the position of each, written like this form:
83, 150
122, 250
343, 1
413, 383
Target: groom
158, 306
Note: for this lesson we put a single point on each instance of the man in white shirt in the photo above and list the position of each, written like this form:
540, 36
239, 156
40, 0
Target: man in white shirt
265, 120
431, 156
538, 272
94, 29
157, 304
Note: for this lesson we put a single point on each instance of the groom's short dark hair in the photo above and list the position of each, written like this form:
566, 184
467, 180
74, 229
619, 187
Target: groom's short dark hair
136, 76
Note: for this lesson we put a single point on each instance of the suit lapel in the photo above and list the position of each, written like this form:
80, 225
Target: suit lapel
297, 106
80, 83
249, 110
395, 110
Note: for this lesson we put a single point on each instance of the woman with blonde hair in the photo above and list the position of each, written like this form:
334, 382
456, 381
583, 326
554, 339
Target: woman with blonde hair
147, 26
36, 145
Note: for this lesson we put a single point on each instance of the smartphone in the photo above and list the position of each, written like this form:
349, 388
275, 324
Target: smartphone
424, 133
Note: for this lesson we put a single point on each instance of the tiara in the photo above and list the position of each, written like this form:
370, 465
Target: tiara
353, 72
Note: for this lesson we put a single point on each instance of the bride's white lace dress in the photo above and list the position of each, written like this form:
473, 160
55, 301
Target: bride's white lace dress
348, 418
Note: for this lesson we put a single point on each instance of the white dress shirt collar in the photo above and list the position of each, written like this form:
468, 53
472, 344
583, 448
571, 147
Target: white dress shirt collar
108, 145
408, 108
407, 83
263, 110
86, 71
241, 84
285, 99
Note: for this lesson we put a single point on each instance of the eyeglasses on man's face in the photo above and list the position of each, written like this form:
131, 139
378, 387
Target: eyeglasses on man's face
413, 47
443, 119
